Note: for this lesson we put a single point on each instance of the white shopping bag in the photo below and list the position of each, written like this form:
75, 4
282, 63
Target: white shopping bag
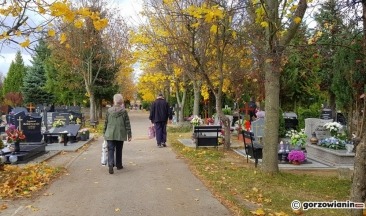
104, 158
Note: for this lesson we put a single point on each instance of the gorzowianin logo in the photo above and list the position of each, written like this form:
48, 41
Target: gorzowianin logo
296, 205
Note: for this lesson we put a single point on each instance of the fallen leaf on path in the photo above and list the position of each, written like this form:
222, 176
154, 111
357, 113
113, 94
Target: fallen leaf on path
196, 199
197, 189
169, 189
258, 212
47, 194
3, 206
32, 208
117, 209
96, 182
281, 213
88, 169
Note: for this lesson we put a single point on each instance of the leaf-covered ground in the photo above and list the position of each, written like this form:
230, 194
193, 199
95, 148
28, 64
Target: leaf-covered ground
248, 191
22, 181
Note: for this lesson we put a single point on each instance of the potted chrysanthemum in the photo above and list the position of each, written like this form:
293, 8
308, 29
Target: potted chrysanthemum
296, 157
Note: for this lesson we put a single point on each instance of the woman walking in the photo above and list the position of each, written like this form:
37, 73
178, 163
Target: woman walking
117, 129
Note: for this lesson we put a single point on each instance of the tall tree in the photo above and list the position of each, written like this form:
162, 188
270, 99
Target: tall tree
34, 82
14, 79
271, 15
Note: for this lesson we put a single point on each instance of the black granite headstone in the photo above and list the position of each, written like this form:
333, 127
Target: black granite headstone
61, 116
19, 109
14, 119
291, 121
326, 114
31, 127
75, 116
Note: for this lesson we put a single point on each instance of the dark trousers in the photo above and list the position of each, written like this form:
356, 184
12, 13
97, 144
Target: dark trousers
115, 146
160, 130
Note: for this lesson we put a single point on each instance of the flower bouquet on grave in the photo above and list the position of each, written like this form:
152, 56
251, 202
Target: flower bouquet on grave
333, 143
210, 121
296, 157
14, 136
333, 127
297, 138
196, 121
58, 123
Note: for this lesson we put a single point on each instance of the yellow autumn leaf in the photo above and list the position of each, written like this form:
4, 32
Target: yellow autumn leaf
280, 214
269, 60
51, 33
84, 12
3, 206
297, 20
213, 29
195, 25
41, 10
63, 38
18, 33
258, 212
117, 209
264, 24
100, 24
255, 189
25, 43
78, 23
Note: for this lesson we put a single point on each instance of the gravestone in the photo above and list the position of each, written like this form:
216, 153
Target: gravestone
291, 121
257, 128
76, 109
31, 127
326, 114
72, 131
19, 109
75, 115
61, 116
61, 109
39, 108
322, 133
341, 119
311, 124
14, 119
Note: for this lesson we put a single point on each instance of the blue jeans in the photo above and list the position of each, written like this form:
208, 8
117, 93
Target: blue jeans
115, 146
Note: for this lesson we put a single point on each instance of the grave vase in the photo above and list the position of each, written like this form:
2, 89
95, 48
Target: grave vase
16, 146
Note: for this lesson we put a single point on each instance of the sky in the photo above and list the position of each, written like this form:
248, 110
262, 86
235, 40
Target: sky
129, 10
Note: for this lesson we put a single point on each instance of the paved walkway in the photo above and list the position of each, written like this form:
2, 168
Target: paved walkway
154, 182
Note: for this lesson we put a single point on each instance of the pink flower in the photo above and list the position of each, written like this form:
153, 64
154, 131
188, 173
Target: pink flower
296, 155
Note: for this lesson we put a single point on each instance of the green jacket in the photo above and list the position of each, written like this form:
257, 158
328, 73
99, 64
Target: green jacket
117, 124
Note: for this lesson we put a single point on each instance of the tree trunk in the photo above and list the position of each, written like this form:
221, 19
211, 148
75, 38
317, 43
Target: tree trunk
272, 91
225, 121
92, 112
358, 190
197, 96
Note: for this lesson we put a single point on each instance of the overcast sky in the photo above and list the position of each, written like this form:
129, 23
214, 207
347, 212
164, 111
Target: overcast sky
129, 9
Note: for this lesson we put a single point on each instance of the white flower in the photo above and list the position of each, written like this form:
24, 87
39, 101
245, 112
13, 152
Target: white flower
196, 121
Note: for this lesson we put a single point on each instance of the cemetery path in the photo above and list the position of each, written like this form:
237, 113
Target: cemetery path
154, 181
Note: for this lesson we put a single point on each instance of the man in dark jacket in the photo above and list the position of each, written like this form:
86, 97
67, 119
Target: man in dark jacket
159, 114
